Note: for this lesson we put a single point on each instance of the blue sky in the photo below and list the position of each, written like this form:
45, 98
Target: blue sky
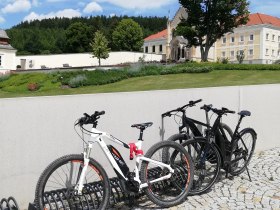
12, 12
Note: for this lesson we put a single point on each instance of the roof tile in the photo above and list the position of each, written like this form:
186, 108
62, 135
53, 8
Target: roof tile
161, 34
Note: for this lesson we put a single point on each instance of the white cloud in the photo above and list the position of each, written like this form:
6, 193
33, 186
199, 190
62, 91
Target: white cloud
35, 3
17, 6
92, 7
68, 13
2, 20
139, 4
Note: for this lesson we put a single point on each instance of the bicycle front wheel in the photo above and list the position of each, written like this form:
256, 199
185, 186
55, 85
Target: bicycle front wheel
243, 149
207, 163
172, 191
55, 188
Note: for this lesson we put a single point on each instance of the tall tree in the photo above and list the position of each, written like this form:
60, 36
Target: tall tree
209, 20
128, 35
78, 38
100, 48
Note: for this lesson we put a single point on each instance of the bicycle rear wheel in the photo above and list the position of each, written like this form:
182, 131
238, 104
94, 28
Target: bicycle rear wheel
55, 187
243, 149
174, 190
207, 163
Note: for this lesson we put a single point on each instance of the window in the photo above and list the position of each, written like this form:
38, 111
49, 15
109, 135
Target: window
251, 38
231, 53
267, 36
223, 54
146, 49
224, 40
278, 52
272, 52
266, 51
251, 52
154, 48
160, 48
273, 37
278, 38
232, 39
241, 38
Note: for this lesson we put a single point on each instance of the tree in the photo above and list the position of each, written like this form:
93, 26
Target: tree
209, 20
128, 35
100, 47
78, 38
240, 56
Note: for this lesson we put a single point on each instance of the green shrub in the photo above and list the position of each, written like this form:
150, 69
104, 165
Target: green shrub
77, 81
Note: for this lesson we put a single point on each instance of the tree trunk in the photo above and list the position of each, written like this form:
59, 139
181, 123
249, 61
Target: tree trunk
99, 62
204, 53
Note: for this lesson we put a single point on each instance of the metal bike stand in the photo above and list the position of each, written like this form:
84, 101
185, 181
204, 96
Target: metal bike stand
8, 204
92, 194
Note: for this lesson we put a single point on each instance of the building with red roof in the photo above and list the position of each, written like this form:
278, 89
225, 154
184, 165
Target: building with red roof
259, 40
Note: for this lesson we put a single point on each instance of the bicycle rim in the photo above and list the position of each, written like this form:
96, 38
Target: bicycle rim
207, 162
170, 191
243, 150
56, 187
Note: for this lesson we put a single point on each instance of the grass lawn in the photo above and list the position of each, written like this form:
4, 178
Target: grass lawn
162, 82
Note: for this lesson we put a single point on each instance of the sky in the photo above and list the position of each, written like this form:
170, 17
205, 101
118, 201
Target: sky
13, 12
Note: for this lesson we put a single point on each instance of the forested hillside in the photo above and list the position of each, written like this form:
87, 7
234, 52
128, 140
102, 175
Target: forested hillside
57, 35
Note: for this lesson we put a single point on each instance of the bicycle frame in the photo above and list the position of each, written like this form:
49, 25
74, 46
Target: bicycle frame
98, 137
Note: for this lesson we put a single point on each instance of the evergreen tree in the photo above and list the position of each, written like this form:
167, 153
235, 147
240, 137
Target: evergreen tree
99, 46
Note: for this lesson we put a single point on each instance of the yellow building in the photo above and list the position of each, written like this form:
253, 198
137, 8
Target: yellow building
259, 39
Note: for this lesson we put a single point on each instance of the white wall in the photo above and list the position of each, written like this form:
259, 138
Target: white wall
82, 59
35, 131
8, 60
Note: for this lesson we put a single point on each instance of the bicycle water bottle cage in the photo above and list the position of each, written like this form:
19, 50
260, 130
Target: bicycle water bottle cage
133, 149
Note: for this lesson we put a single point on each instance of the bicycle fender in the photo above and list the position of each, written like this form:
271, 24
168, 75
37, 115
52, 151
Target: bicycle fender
249, 130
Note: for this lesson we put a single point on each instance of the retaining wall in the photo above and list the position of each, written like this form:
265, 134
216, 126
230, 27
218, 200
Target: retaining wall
35, 131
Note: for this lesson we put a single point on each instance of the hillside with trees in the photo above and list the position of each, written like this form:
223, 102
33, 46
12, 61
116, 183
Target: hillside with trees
64, 35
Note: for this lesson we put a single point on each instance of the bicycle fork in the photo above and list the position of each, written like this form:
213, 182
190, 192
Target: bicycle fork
79, 187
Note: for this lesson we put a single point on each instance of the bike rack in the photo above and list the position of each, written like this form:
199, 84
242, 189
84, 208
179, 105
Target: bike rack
92, 192
8, 204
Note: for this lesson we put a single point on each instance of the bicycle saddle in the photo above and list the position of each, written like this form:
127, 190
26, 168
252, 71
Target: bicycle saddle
245, 113
142, 125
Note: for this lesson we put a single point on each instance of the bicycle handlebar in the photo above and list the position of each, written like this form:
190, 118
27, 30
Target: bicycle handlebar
180, 109
90, 119
207, 108
222, 111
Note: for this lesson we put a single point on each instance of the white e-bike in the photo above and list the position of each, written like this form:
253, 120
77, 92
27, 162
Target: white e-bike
77, 181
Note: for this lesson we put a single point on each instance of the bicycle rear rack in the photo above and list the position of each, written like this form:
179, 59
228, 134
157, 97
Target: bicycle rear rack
8, 204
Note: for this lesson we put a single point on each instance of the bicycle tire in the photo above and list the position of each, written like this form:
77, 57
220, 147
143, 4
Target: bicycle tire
55, 187
241, 149
206, 165
228, 130
172, 191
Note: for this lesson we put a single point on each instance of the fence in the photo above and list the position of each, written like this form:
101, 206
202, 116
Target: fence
35, 131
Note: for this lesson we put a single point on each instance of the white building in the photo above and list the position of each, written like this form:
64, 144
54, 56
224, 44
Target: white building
173, 47
7, 54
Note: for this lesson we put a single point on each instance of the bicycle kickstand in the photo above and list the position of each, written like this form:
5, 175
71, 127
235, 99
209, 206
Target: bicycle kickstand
248, 173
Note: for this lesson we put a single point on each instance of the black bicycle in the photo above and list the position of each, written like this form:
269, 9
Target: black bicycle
210, 153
